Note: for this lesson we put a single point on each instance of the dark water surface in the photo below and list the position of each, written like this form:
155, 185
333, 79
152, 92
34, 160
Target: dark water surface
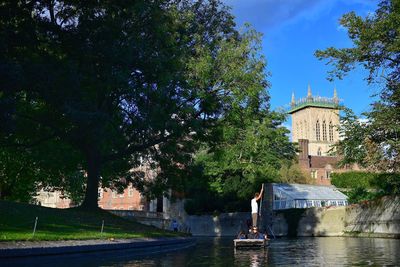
320, 251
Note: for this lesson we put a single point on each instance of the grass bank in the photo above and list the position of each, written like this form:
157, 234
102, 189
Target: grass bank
17, 223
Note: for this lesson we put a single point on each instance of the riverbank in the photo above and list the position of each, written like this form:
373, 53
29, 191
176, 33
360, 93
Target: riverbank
134, 246
24, 222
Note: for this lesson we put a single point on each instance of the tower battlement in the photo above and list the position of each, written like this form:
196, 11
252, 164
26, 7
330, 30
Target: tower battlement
314, 101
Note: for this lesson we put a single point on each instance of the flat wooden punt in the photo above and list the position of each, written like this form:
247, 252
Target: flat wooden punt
250, 243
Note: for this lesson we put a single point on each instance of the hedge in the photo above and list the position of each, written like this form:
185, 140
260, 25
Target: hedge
367, 185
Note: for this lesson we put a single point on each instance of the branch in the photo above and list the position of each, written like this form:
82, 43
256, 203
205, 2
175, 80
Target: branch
51, 11
32, 144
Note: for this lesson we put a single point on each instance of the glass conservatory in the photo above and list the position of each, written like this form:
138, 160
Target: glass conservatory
299, 196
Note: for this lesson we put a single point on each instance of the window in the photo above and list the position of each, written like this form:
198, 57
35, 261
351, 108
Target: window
114, 194
328, 174
324, 131
317, 131
314, 174
305, 130
130, 192
319, 152
301, 130
330, 131
100, 193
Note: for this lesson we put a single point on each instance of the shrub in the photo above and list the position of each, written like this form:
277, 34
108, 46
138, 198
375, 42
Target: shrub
367, 185
358, 194
387, 183
353, 179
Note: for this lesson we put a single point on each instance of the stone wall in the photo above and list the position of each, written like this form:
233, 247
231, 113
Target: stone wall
155, 219
379, 218
225, 224
375, 219
322, 222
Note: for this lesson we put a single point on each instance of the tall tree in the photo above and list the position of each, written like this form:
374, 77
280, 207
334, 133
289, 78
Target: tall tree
377, 49
250, 142
118, 82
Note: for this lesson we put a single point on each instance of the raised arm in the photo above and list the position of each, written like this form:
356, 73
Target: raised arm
261, 192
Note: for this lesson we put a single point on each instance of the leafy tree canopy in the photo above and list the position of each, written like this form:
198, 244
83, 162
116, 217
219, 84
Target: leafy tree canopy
376, 48
119, 84
248, 144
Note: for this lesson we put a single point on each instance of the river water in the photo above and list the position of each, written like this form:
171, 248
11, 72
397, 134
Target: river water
318, 251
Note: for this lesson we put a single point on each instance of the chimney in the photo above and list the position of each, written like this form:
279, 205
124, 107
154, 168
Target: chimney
303, 146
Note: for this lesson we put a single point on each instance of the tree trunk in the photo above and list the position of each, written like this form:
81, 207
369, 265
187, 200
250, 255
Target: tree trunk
93, 178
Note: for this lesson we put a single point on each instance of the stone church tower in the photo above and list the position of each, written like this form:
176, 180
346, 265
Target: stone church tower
314, 128
316, 119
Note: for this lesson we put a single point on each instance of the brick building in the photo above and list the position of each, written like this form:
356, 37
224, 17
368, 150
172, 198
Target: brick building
129, 199
111, 199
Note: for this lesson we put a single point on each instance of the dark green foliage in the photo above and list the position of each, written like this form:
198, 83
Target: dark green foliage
358, 194
367, 185
120, 84
353, 179
387, 183
52, 166
352, 146
230, 171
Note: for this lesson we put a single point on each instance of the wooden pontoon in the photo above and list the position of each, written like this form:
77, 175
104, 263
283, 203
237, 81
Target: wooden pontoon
250, 243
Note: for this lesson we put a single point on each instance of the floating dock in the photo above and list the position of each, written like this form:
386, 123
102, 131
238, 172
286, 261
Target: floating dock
250, 243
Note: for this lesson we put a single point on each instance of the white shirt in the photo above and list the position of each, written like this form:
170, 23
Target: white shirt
254, 206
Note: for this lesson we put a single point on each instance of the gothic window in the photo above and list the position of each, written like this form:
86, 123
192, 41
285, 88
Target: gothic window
330, 131
324, 137
305, 130
319, 152
317, 131
301, 130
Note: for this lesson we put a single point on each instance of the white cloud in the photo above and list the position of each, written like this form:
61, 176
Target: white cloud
269, 13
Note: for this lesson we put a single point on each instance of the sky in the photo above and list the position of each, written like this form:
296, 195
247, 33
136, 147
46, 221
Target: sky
292, 31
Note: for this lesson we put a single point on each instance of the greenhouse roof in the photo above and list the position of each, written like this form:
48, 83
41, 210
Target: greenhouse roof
312, 192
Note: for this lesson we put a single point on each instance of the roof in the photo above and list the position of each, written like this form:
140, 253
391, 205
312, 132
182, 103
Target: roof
313, 192
322, 161
313, 104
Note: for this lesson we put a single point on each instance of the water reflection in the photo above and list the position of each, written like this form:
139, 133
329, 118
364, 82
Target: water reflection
255, 257
323, 251
335, 251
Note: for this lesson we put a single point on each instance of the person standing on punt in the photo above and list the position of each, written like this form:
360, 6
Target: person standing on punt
254, 206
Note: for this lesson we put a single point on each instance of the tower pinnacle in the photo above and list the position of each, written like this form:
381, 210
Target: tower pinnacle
309, 95
335, 97
293, 99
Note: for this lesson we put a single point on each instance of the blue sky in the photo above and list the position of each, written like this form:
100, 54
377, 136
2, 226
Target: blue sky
292, 31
